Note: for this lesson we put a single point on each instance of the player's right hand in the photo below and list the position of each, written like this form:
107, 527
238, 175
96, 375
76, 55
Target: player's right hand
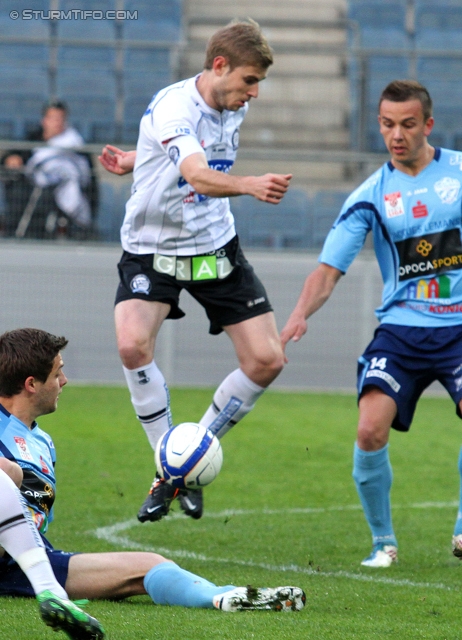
295, 328
117, 161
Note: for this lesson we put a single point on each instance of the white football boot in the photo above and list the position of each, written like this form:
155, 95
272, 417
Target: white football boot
382, 556
457, 546
250, 598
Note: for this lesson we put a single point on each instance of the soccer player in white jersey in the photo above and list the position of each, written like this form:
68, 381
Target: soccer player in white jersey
178, 233
412, 205
31, 380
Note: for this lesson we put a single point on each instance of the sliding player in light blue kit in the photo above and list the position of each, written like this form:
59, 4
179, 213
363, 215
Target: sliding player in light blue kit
31, 380
412, 205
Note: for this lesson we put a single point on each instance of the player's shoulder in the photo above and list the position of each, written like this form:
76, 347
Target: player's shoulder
448, 160
367, 190
175, 96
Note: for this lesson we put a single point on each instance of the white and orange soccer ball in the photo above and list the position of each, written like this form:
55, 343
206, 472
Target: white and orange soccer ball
189, 456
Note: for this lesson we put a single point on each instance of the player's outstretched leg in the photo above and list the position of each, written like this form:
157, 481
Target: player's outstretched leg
64, 615
251, 598
373, 476
169, 584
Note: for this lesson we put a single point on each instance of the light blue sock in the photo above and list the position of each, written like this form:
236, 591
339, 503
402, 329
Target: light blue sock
373, 475
167, 583
458, 527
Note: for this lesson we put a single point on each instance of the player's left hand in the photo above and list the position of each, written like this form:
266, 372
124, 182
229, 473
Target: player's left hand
270, 187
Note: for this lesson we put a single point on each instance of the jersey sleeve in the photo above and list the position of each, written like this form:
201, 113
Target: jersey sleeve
173, 129
348, 234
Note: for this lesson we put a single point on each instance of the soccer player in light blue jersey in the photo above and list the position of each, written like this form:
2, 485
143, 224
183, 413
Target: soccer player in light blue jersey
412, 205
31, 379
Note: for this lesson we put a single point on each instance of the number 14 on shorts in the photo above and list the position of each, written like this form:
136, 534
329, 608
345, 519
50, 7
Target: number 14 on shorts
377, 363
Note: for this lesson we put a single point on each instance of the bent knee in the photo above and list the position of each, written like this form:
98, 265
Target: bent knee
134, 352
372, 437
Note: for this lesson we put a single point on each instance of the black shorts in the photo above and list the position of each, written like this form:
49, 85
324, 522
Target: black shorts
13, 581
227, 300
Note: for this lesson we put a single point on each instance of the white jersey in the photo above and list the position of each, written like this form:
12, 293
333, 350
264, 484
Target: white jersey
164, 214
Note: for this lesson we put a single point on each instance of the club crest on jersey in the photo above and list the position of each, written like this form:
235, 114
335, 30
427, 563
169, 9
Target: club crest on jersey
447, 189
22, 448
235, 139
174, 154
394, 206
140, 284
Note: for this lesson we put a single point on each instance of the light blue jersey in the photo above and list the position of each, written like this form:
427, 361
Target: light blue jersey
34, 451
416, 224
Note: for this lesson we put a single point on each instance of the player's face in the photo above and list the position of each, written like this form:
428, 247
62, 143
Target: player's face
234, 88
405, 130
46, 398
53, 122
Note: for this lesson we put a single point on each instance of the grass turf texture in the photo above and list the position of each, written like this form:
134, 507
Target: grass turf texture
292, 453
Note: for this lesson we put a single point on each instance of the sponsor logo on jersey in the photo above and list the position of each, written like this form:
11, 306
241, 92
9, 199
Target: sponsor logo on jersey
140, 284
182, 131
417, 192
221, 164
22, 448
394, 206
456, 158
424, 289
44, 465
420, 210
447, 189
429, 255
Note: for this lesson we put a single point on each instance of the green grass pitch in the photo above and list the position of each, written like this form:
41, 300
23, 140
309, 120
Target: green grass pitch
287, 477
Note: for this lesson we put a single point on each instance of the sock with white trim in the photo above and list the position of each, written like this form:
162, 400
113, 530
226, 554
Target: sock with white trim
233, 400
21, 540
150, 399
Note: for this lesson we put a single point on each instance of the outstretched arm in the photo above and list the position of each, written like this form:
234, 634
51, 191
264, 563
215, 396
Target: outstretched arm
316, 290
270, 187
117, 161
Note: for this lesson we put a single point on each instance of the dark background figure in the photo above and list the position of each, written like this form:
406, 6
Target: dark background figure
51, 191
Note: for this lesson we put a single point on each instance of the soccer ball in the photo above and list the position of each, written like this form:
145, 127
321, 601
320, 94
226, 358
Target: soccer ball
189, 456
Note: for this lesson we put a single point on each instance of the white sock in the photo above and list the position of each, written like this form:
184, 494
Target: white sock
21, 540
150, 399
233, 400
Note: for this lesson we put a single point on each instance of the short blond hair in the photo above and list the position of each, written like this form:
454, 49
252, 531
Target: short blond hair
241, 43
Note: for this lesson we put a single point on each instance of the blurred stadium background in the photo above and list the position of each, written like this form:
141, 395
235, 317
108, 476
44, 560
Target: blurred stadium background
315, 117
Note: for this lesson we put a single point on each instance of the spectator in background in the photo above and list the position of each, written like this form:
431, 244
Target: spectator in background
63, 180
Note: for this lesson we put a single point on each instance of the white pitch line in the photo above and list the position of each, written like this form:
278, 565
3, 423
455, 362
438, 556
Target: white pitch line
110, 534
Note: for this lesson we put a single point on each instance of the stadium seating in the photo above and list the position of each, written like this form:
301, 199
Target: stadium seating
326, 207
156, 21
380, 23
286, 225
438, 24
87, 77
